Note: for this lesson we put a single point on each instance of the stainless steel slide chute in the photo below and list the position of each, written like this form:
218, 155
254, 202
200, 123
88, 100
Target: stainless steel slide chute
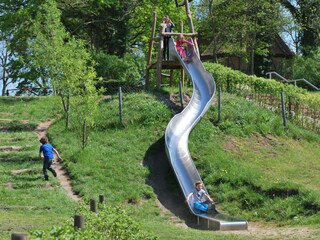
177, 134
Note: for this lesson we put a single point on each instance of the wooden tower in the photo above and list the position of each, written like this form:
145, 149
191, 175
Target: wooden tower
171, 65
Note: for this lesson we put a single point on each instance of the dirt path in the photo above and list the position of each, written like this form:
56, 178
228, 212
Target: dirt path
62, 175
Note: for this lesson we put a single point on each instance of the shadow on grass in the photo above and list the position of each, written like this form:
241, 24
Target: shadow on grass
165, 185
17, 126
10, 100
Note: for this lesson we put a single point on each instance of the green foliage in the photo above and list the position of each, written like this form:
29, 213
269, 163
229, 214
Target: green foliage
306, 16
308, 68
144, 120
259, 88
112, 68
242, 28
241, 118
111, 222
63, 62
86, 104
231, 80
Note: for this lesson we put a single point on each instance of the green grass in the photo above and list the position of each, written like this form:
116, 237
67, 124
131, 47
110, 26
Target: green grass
252, 166
27, 202
255, 167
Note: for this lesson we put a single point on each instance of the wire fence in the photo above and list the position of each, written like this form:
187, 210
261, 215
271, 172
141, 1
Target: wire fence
296, 111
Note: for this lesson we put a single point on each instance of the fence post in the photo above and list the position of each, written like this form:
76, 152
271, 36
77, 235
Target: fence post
19, 236
290, 107
68, 111
78, 221
93, 205
219, 104
181, 95
120, 104
283, 110
101, 198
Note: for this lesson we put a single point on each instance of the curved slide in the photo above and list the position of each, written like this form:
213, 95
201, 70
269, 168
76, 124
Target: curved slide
177, 134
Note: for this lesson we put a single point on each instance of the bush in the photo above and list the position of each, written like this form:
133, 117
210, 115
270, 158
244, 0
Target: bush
111, 222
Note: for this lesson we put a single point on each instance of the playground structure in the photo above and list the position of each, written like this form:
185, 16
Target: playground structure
178, 129
171, 65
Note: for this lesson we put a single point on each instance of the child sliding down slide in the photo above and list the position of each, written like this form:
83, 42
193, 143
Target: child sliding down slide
180, 46
201, 200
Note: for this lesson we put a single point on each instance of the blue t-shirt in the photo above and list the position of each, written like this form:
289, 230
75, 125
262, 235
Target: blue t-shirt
47, 150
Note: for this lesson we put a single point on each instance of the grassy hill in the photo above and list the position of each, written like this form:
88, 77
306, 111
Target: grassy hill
253, 167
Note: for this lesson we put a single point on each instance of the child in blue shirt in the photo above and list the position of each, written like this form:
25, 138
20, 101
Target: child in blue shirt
200, 198
47, 152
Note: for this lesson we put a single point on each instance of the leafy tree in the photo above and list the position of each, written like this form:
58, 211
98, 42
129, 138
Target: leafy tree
117, 26
243, 28
102, 24
60, 60
308, 67
113, 68
86, 103
307, 17
5, 67
15, 22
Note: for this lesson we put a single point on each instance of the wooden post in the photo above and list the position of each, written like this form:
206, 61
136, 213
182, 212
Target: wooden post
283, 110
101, 198
151, 41
93, 205
182, 76
186, 3
181, 94
120, 104
78, 221
160, 52
219, 104
19, 236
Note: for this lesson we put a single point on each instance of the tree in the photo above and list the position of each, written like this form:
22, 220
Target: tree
117, 26
102, 24
15, 17
243, 28
4, 64
308, 67
62, 61
86, 102
307, 17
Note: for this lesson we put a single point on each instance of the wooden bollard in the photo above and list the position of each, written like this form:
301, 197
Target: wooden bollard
19, 236
101, 198
93, 205
78, 221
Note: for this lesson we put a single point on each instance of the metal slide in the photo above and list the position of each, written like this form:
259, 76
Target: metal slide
177, 134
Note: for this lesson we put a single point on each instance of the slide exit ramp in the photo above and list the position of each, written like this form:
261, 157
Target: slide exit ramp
177, 134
